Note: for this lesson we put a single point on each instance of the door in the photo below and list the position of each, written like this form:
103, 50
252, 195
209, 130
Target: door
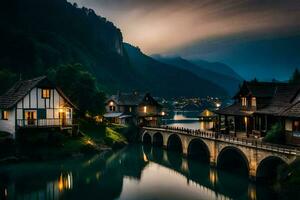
30, 118
62, 118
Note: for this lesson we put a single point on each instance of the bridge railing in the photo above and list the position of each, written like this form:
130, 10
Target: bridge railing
231, 139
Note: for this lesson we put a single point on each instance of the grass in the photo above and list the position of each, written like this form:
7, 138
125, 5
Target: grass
103, 135
37, 144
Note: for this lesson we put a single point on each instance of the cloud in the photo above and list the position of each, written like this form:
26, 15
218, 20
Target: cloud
160, 26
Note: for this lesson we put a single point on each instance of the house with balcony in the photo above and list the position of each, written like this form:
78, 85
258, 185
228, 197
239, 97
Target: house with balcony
136, 108
260, 105
35, 103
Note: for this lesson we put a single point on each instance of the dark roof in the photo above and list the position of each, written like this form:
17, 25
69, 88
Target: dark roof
291, 111
282, 99
130, 99
234, 110
22, 88
133, 99
260, 89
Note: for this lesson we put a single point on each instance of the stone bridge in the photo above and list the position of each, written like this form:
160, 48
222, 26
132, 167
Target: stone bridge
257, 159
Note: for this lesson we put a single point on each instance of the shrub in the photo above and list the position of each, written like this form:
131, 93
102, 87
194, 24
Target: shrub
275, 135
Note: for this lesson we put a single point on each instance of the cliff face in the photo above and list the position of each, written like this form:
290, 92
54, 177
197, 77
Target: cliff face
60, 17
37, 36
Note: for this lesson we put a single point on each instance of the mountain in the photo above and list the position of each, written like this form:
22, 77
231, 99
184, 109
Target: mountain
41, 37
217, 67
36, 35
168, 80
228, 82
263, 56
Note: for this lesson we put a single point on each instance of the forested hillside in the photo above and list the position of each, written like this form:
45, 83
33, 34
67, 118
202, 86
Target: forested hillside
38, 37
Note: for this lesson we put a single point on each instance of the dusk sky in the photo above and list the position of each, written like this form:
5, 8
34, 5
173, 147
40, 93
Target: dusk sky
199, 29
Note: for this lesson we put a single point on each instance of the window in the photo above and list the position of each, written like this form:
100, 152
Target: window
244, 101
45, 93
130, 109
4, 115
253, 102
296, 126
112, 108
145, 109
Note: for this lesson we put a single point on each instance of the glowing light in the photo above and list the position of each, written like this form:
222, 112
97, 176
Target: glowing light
60, 183
111, 103
213, 176
163, 113
65, 182
246, 120
145, 109
218, 105
98, 174
145, 158
98, 119
207, 113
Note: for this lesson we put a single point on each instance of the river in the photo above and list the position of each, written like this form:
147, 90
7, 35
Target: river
137, 172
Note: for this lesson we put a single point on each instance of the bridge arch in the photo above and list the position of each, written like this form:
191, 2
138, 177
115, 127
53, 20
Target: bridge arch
199, 150
147, 138
174, 143
267, 168
158, 139
234, 160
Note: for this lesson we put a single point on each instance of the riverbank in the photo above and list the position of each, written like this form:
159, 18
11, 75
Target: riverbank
42, 145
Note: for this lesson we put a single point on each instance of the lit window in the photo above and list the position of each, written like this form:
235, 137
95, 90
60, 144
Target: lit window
145, 109
4, 115
244, 101
253, 103
130, 109
45, 93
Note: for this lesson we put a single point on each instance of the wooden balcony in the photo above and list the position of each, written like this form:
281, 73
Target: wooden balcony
44, 123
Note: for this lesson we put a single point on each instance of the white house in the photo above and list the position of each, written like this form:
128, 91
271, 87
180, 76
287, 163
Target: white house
35, 103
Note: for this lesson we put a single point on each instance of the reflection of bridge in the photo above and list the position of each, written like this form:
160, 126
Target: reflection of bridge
259, 159
216, 184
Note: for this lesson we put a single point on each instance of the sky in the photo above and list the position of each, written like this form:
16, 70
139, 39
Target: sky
200, 28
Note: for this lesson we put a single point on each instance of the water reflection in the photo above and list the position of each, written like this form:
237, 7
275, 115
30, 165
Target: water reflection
137, 172
188, 120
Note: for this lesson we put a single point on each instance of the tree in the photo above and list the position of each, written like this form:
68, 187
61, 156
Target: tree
276, 134
295, 79
80, 86
7, 79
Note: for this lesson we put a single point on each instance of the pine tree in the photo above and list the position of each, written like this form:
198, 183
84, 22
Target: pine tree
295, 79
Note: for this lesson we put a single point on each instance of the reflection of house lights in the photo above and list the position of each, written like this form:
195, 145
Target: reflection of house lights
213, 176
65, 182
98, 174
252, 192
